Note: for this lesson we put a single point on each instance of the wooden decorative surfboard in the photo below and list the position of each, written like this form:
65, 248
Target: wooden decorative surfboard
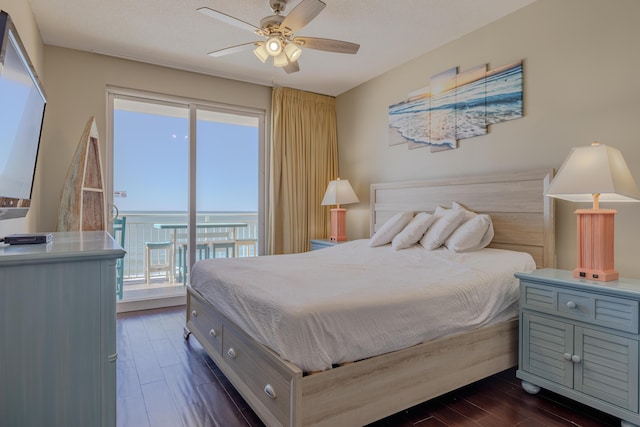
82, 205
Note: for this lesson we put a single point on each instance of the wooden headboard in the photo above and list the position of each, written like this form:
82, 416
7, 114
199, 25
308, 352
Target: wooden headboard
523, 218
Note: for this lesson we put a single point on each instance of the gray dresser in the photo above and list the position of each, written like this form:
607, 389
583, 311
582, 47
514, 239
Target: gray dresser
579, 338
58, 331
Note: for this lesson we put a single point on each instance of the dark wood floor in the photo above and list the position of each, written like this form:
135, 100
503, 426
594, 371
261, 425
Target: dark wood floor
165, 380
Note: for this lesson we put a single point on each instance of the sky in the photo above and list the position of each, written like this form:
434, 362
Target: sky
151, 164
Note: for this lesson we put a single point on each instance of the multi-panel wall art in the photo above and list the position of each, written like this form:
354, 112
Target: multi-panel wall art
457, 106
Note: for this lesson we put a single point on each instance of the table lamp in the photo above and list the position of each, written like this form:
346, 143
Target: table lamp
595, 173
339, 192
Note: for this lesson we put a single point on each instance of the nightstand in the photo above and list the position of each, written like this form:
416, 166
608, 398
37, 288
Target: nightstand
579, 338
322, 243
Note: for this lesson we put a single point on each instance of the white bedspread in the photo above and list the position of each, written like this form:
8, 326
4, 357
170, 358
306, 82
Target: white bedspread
351, 301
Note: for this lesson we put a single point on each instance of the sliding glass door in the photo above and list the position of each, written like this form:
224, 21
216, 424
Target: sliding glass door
186, 176
227, 183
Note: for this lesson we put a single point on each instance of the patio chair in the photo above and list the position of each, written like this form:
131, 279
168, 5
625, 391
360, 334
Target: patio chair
202, 252
247, 247
119, 228
168, 266
222, 240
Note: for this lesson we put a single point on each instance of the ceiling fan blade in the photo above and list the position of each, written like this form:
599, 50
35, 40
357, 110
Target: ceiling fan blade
328, 45
302, 14
233, 49
292, 67
228, 19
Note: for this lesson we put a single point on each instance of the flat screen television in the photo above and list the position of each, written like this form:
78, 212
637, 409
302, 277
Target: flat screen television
22, 105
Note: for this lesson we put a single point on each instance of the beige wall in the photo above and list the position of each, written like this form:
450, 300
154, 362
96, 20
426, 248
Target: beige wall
22, 17
76, 85
581, 84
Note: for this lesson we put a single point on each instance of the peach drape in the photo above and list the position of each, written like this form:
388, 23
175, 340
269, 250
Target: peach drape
304, 158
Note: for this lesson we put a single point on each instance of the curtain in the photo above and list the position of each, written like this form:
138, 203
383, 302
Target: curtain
304, 158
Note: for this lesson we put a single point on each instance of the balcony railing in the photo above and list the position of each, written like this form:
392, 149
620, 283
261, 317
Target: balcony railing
140, 229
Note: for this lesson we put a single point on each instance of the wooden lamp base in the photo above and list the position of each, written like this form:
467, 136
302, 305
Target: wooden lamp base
595, 245
338, 224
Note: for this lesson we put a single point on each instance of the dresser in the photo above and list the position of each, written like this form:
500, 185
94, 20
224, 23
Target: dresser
58, 331
579, 338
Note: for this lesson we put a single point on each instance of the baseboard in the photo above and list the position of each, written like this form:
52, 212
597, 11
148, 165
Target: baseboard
149, 304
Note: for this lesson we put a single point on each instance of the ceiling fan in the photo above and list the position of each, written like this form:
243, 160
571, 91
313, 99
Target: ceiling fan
278, 30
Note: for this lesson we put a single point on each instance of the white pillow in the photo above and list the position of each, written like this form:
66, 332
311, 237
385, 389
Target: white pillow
389, 229
467, 213
447, 220
413, 232
471, 235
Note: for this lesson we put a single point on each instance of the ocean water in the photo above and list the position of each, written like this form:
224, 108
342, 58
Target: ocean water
460, 113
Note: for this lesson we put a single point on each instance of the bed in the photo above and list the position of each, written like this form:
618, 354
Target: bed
284, 394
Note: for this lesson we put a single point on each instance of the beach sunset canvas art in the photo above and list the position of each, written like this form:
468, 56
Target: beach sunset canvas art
457, 106
471, 101
414, 122
442, 130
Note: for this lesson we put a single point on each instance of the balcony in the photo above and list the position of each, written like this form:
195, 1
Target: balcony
143, 227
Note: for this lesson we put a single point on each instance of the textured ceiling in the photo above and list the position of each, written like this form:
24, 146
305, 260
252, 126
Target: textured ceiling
173, 34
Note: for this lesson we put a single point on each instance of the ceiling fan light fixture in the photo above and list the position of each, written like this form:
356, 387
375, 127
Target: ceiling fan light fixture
277, 33
292, 51
261, 52
280, 60
274, 46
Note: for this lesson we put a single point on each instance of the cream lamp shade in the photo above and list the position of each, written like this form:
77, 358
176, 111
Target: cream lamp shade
292, 51
595, 173
339, 192
594, 170
274, 46
280, 60
261, 52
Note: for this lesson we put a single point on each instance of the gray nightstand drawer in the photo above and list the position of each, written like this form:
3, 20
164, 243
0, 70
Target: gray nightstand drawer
322, 243
618, 313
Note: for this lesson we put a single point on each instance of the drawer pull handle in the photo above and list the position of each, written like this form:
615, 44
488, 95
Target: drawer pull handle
194, 313
213, 333
232, 353
572, 357
571, 304
269, 391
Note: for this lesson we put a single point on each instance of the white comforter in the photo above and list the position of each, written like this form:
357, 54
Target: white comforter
351, 301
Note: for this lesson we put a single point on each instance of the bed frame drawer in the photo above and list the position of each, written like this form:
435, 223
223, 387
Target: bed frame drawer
206, 323
272, 389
